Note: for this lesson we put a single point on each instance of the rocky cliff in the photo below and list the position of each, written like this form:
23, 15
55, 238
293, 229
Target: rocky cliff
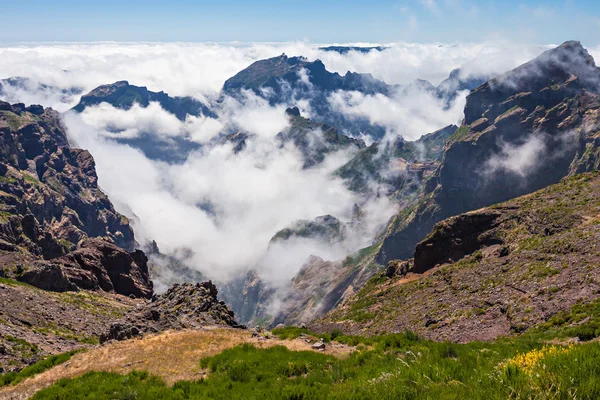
51, 204
522, 131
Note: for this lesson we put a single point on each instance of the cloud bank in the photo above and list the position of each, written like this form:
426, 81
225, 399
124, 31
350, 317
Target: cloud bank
224, 205
200, 69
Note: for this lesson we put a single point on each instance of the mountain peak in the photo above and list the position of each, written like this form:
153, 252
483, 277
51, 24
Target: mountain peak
554, 74
556, 65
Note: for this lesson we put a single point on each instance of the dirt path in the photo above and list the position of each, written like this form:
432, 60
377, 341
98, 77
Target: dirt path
173, 356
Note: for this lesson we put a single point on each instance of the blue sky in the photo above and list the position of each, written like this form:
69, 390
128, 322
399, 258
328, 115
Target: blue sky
447, 21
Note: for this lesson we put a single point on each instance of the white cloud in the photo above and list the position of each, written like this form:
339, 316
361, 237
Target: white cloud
409, 114
200, 69
520, 159
223, 206
254, 115
226, 206
115, 122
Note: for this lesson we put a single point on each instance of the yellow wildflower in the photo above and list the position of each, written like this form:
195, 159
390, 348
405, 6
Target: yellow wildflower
528, 361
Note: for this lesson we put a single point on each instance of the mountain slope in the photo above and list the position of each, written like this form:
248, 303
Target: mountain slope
491, 272
270, 73
123, 95
522, 131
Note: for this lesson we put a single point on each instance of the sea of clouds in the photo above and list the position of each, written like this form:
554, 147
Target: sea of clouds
222, 205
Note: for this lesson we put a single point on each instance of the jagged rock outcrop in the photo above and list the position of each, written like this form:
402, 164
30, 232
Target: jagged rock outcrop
58, 230
522, 131
271, 72
287, 80
315, 140
181, 307
492, 272
49, 191
95, 265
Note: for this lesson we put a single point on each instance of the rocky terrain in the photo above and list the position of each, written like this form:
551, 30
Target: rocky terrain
50, 196
69, 269
496, 271
181, 307
51, 204
547, 107
35, 323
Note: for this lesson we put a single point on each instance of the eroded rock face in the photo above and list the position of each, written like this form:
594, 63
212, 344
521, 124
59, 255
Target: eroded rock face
523, 131
95, 265
182, 306
58, 230
455, 238
49, 195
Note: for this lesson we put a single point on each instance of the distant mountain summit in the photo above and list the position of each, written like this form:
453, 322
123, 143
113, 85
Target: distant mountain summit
347, 49
123, 95
272, 72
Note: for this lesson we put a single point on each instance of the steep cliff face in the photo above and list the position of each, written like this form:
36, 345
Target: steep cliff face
522, 131
397, 167
491, 272
51, 205
250, 297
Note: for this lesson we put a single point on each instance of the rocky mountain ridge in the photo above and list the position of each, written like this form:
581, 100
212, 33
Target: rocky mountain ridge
547, 107
487, 273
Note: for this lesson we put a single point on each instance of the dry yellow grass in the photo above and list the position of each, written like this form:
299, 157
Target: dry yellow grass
173, 356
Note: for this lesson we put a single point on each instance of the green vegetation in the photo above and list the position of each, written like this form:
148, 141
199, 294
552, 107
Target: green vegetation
13, 120
12, 282
12, 378
401, 366
5, 179
582, 321
5, 215
28, 178
361, 255
460, 134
